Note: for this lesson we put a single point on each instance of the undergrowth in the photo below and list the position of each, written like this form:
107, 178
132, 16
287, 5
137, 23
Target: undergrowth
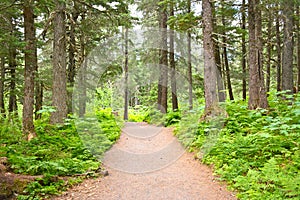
256, 152
153, 116
57, 151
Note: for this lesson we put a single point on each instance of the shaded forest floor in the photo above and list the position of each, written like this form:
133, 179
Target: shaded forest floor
149, 163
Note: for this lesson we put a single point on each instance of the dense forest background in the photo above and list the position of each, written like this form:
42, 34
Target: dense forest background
248, 72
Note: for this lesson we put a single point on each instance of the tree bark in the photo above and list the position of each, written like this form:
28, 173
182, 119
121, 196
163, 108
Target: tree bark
82, 75
278, 48
59, 89
269, 51
257, 93
126, 101
190, 72
2, 79
298, 49
12, 103
39, 90
82, 89
220, 81
71, 70
210, 77
244, 50
30, 67
226, 63
287, 54
163, 62
172, 65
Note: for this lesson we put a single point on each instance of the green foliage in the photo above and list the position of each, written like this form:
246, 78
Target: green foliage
57, 151
172, 118
153, 116
108, 124
47, 186
257, 152
189, 131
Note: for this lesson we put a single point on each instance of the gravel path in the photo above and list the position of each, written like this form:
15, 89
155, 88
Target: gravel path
148, 163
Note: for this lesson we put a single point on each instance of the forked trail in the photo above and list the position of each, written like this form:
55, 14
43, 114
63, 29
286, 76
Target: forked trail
148, 163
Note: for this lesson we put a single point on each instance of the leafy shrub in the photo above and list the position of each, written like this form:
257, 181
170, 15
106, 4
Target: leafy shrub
172, 118
58, 150
138, 114
109, 126
257, 152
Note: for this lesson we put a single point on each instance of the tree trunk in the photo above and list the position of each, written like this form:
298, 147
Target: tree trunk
226, 63
2, 79
163, 106
59, 89
12, 103
287, 54
210, 77
298, 49
71, 71
190, 73
263, 100
269, 51
82, 89
244, 50
38, 97
278, 48
172, 65
257, 93
30, 67
126, 101
220, 81
82, 75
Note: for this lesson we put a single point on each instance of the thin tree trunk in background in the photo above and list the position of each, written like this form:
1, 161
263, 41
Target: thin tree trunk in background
159, 86
163, 106
226, 63
287, 54
12, 102
244, 50
82, 89
82, 74
210, 77
59, 89
220, 81
190, 73
298, 49
38, 90
38, 97
269, 51
257, 93
172, 65
71, 70
278, 48
2, 78
30, 67
126, 100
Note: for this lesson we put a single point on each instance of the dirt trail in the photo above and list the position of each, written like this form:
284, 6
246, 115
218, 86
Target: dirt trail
148, 163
